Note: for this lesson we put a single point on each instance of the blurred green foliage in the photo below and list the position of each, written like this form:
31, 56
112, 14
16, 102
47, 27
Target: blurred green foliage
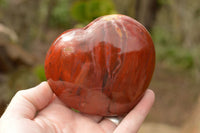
39, 72
3, 3
60, 15
64, 13
86, 11
75, 110
169, 51
22, 78
163, 2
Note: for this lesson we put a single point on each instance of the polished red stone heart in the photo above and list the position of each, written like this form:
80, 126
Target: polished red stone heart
103, 68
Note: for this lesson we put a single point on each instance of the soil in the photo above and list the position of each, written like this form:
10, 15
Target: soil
176, 92
158, 128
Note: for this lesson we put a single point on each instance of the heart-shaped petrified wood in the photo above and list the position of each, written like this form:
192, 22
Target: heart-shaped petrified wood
103, 68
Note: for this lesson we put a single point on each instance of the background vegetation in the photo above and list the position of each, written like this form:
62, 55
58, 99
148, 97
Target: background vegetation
28, 27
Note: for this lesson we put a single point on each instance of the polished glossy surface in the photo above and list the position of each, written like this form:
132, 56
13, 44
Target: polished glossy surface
103, 68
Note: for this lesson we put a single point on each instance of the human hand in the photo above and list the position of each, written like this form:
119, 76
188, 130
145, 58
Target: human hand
38, 110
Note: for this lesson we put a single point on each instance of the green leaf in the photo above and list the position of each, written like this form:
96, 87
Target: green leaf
39, 72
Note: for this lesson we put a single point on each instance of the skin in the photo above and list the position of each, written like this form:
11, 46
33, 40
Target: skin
38, 110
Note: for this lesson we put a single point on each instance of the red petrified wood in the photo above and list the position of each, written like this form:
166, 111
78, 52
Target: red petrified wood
103, 68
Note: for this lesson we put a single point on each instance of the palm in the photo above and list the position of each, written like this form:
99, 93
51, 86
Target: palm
58, 118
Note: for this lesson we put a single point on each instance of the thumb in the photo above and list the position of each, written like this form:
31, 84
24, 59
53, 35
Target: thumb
26, 103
